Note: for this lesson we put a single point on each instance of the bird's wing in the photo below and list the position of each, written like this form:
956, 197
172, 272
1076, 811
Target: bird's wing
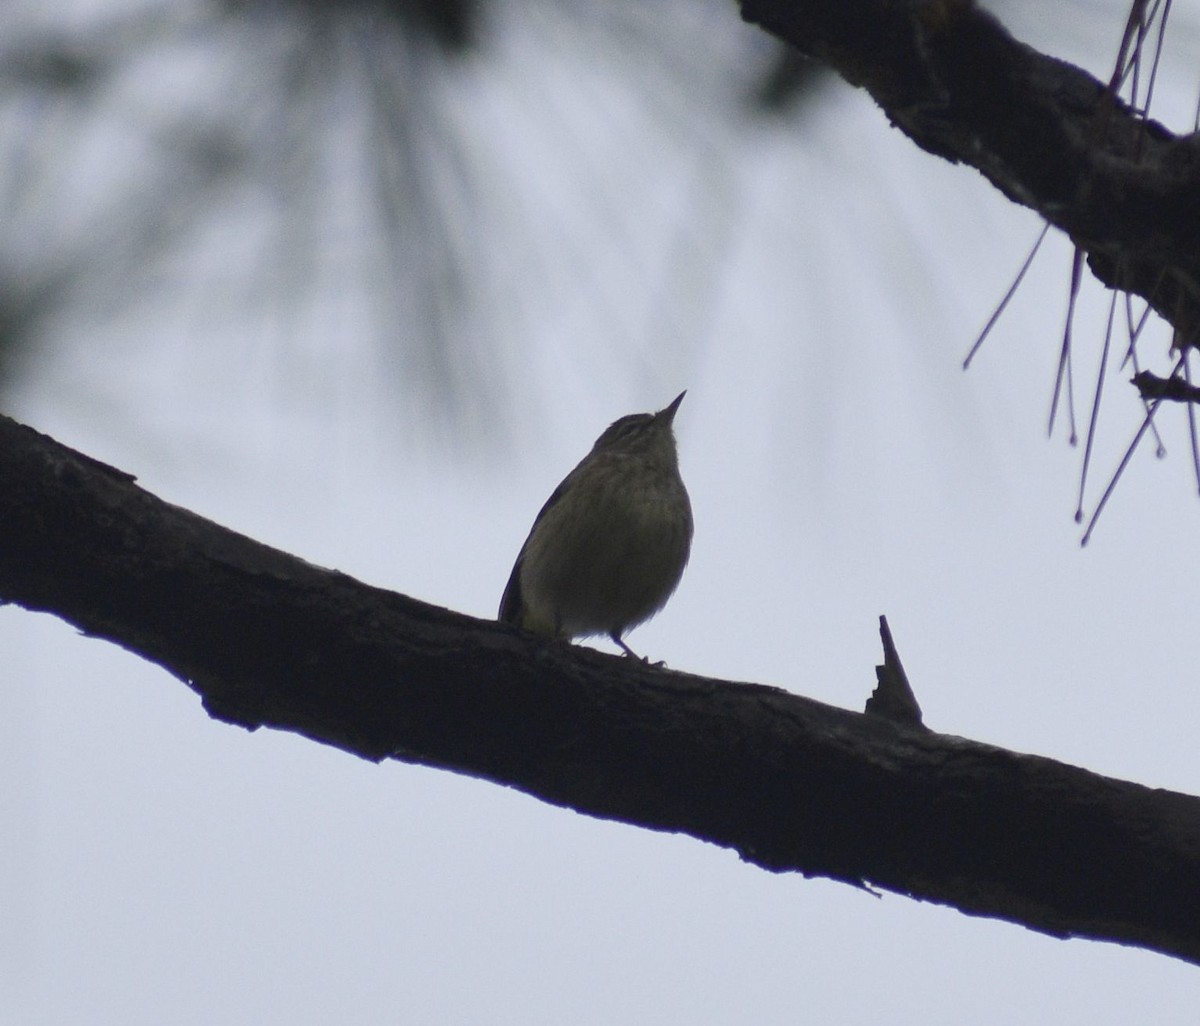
511, 604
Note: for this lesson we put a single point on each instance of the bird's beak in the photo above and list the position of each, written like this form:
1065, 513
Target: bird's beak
668, 412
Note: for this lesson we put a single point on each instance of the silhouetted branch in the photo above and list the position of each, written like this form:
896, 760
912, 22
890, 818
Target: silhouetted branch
1151, 386
266, 639
893, 696
1045, 133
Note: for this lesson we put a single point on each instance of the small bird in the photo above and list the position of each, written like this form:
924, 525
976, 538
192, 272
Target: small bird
609, 547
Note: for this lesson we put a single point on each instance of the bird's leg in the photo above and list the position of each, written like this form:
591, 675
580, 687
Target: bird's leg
616, 637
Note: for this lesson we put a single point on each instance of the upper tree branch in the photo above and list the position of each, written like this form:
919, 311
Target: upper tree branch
1045, 133
268, 640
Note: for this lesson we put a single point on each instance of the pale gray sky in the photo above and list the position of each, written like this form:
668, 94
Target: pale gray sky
160, 867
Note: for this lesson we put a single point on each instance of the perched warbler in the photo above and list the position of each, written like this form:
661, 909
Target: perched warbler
609, 546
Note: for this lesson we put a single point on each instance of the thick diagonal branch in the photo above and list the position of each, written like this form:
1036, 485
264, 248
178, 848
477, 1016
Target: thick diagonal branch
1045, 133
789, 784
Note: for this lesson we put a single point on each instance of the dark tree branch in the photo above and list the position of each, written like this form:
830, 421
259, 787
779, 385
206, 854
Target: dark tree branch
1045, 133
266, 639
893, 696
1151, 386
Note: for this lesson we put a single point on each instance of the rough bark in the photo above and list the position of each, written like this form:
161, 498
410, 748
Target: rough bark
1045, 133
266, 639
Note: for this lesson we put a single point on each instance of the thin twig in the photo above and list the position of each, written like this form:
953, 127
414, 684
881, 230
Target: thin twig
1012, 291
1112, 484
1091, 432
1064, 357
1187, 374
1160, 448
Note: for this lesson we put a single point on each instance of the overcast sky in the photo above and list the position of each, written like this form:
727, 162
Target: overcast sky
815, 287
